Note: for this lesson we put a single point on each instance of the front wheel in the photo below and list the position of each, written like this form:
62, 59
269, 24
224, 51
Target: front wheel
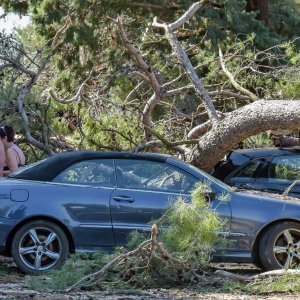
39, 246
279, 248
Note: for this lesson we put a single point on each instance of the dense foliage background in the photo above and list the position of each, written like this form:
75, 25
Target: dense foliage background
259, 40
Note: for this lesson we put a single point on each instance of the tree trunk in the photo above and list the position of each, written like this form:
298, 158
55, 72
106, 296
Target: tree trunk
249, 120
261, 6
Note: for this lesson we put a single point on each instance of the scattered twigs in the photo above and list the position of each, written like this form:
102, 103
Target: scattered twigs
159, 144
172, 144
108, 267
143, 255
232, 80
60, 31
77, 95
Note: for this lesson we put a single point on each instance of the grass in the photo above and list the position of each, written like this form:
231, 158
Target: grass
58, 280
278, 284
4, 271
77, 266
284, 283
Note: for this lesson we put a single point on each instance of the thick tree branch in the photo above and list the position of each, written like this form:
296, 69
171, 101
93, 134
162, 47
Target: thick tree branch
249, 120
149, 73
17, 65
27, 88
180, 53
20, 100
286, 192
4, 66
143, 64
187, 15
199, 130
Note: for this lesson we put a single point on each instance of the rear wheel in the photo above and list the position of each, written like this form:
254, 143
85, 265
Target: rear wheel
39, 246
279, 248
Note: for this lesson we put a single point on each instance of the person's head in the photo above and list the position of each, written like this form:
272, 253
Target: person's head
7, 134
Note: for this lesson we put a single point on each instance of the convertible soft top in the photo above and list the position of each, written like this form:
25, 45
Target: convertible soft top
50, 167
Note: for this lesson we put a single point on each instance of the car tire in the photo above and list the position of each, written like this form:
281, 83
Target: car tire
279, 247
39, 246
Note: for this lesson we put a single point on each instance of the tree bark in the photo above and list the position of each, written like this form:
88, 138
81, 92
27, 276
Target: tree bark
262, 7
249, 120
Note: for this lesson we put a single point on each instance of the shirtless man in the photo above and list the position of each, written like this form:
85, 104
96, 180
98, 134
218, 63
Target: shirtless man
14, 156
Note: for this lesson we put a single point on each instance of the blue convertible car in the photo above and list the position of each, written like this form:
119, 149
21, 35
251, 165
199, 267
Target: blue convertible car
85, 200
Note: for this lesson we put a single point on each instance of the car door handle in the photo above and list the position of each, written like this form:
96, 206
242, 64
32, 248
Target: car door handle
123, 199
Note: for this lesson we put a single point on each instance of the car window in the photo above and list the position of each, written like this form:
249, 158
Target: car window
249, 170
150, 175
96, 172
285, 167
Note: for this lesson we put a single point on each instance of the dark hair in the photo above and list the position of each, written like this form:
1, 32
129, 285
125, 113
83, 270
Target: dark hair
7, 131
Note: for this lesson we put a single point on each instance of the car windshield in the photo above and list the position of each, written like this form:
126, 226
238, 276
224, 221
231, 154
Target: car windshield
210, 178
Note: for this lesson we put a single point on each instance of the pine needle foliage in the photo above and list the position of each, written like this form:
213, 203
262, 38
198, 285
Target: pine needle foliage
192, 227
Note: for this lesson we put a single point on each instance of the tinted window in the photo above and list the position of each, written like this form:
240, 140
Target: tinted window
150, 175
97, 172
285, 167
249, 170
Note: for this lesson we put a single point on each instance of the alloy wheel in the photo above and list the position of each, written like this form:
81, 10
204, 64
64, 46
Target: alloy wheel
286, 248
40, 248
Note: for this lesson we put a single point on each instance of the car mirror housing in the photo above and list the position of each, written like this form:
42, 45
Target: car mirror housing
210, 195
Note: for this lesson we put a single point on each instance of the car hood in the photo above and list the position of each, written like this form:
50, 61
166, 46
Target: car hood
265, 196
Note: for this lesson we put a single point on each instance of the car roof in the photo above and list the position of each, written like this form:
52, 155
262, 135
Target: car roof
241, 156
257, 152
50, 167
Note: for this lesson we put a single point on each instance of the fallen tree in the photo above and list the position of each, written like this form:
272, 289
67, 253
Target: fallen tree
201, 136
217, 136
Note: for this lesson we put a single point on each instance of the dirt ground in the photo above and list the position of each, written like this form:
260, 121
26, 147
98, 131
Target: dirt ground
13, 286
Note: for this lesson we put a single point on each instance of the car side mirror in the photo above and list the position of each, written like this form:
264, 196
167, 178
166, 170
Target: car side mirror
210, 195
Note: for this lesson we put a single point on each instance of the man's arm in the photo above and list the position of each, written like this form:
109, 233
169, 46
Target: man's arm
11, 162
2, 158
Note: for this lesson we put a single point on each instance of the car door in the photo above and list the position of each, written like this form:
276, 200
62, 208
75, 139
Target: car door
144, 191
87, 186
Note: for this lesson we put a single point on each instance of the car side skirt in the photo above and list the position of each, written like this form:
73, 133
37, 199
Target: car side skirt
233, 257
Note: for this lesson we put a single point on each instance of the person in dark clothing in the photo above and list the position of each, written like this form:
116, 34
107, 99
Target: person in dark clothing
14, 156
